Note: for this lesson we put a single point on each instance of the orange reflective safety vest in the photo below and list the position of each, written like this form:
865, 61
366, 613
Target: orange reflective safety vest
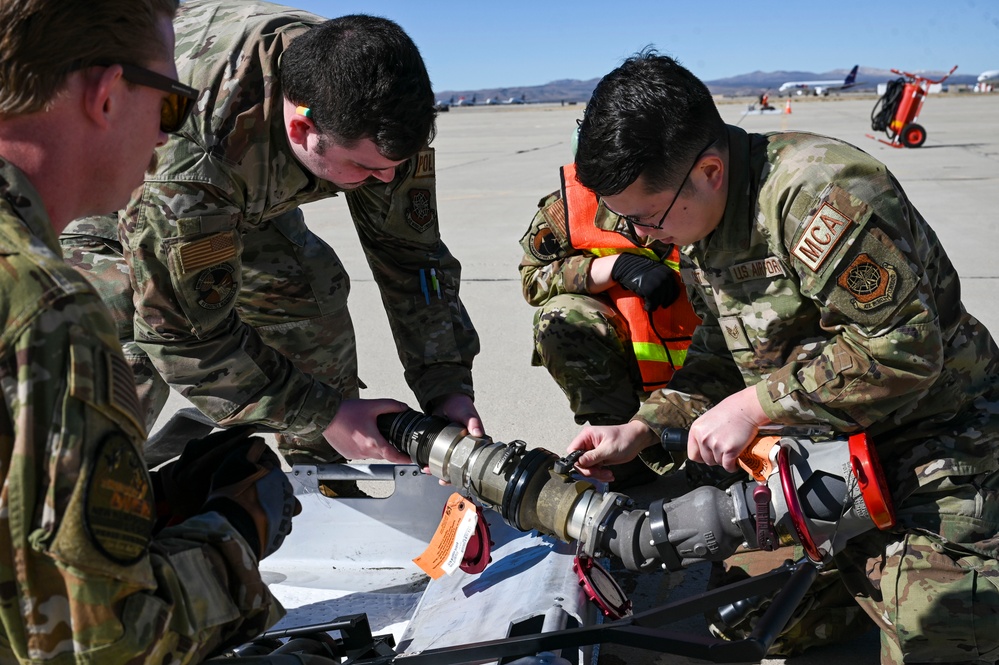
660, 338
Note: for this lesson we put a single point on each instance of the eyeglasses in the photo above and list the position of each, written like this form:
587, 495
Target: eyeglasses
177, 105
636, 221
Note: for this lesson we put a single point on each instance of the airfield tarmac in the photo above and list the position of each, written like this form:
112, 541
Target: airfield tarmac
494, 164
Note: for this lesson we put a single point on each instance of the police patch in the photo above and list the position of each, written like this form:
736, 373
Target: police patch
871, 284
824, 231
420, 215
544, 245
119, 511
216, 286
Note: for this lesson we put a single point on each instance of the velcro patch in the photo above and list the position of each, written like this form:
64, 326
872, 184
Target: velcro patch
871, 284
209, 251
824, 231
761, 268
216, 286
544, 245
425, 164
119, 512
420, 215
735, 335
555, 215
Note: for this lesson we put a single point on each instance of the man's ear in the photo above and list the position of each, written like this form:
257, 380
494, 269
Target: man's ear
103, 94
299, 128
713, 168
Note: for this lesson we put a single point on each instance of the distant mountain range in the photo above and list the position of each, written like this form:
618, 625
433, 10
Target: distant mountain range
753, 83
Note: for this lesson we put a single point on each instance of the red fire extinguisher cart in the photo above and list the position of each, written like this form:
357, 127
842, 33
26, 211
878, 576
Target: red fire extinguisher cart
896, 112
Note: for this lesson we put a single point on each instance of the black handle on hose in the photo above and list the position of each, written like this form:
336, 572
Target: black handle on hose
674, 440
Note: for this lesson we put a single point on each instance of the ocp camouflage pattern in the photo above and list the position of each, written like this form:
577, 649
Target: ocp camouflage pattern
83, 578
241, 307
825, 288
579, 337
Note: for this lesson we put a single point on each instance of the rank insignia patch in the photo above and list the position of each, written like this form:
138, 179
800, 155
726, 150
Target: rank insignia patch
119, 509
735, 335
871, 284
420, 215
544, 244
216, 286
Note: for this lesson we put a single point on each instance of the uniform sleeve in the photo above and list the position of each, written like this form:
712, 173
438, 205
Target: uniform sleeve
708, 376
418, 278
863, 257
82, 570
184, 246
551, 266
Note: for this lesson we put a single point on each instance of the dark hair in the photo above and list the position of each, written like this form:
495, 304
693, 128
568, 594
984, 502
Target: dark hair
362, 77
649, 117
42, 41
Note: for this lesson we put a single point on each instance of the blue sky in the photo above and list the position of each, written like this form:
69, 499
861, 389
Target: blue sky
469, 45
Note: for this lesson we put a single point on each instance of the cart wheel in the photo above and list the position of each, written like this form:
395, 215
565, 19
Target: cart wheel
913, 135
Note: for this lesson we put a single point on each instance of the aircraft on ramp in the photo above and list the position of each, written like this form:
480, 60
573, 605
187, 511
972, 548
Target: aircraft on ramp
991, 76
820, 88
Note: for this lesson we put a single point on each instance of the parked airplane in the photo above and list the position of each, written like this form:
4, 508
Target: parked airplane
465, 102
512, 100
991, 76
820, 88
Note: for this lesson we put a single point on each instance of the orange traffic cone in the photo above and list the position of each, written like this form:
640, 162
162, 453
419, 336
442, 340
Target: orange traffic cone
787, 108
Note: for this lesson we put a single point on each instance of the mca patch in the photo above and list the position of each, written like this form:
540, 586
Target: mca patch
424, 164
824, 231
420, 215
870, 283
119, 512
216, 286
544, 245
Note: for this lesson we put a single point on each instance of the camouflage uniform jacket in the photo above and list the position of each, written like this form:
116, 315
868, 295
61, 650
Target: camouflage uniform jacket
551, 265
232, 170
825, 289
82, 577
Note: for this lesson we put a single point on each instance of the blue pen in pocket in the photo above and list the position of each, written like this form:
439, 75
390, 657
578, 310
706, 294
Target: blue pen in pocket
423, 285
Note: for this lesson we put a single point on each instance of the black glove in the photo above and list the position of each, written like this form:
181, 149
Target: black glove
655, 282
251, 491
181, 487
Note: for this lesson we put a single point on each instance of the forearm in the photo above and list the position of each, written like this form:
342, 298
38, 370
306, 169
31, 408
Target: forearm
234, 378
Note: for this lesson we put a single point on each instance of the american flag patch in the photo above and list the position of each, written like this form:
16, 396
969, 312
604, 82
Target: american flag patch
208, 251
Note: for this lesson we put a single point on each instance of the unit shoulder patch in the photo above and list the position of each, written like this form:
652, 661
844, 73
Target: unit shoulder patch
871, 284
420, 215
822, 234
544, 245
216, 286
119, 513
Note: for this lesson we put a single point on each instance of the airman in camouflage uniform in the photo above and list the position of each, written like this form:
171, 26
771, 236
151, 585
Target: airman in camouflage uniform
578, 336
826, 298
237, 304
83, 576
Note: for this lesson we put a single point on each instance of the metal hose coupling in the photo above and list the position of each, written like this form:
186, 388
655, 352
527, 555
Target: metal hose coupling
531, 489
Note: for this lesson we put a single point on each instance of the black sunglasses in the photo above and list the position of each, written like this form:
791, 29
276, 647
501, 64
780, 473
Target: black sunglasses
177, 105
636, 221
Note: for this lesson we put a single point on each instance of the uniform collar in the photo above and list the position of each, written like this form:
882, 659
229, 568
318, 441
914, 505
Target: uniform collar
17, 192
735, 230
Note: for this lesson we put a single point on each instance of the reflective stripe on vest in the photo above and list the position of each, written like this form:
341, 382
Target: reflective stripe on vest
660, 343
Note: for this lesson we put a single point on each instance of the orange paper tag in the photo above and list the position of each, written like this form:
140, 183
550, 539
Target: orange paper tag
447, 548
